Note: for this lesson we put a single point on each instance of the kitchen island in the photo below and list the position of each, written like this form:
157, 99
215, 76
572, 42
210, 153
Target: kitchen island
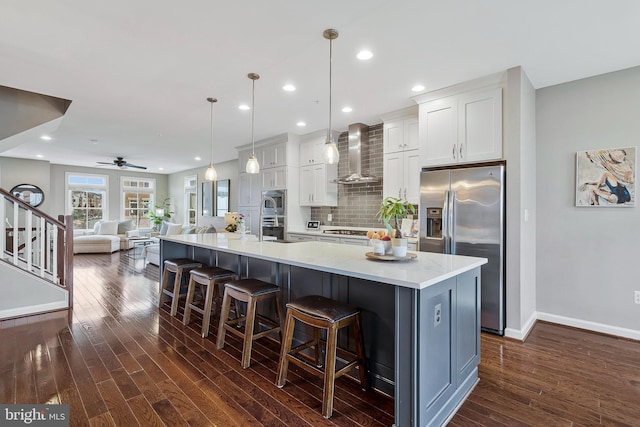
421, 318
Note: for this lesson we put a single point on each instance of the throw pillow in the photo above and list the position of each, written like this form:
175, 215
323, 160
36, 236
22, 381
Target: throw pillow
108, 228
163, 228
173, 228
124, 226
188, 230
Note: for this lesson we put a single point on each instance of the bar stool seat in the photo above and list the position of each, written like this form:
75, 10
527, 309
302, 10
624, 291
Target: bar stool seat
322, 313
177, 266
207, 278
250, 291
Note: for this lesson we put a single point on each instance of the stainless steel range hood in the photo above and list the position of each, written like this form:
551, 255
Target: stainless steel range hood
358, 139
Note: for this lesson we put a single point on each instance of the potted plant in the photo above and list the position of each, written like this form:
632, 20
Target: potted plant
396, 209
160, 213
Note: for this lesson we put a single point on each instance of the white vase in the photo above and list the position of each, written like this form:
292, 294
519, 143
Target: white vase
399, 246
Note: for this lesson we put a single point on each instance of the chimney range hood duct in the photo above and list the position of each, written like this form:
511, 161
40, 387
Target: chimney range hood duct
358, 139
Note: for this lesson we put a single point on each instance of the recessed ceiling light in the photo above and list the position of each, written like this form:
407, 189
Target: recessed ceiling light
301, 124
363, 55
160, 169
94, 141
39, 156
347, 109
46, 137
289, 88
244, 107
198, 158
417, 88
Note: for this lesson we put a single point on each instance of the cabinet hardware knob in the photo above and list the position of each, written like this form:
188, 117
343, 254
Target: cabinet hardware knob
453, 152
461, 145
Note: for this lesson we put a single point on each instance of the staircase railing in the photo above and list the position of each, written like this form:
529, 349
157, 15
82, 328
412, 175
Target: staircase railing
37, 243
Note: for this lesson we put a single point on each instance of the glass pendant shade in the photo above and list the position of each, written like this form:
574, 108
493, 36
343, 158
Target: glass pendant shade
252, 165
330, 153
211, 174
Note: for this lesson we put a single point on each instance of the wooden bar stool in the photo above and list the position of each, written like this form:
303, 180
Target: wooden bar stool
177, 266
250, 291
207, 278
322, 313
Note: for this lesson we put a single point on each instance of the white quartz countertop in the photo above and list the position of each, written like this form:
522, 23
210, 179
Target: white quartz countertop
425, 270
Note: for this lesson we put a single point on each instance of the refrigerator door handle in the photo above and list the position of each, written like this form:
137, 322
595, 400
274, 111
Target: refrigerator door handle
445, 222
452, 222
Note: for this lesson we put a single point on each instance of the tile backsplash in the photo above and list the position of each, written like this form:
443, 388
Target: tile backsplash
357, 203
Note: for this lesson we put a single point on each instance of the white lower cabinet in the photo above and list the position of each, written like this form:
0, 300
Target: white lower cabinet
249, 189
356, 242
303, 237
295, 237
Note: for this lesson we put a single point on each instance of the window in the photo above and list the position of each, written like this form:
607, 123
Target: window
86, 198
138, 195
190, 199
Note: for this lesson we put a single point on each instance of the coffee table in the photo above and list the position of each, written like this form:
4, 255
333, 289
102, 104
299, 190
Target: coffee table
136, 247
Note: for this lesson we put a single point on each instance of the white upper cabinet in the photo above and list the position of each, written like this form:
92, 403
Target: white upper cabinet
401, 135
401, 168
311, 151
274, 178
462, 128
274, 156
249, 189
317, 186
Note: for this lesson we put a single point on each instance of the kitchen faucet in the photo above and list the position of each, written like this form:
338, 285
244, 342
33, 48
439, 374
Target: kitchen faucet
275, 205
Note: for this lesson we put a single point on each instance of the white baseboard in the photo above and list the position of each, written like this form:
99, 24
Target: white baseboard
521, 334
590, 326
32, 309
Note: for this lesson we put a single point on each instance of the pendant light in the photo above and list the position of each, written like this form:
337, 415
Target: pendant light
211, 174
330, 151
252, 164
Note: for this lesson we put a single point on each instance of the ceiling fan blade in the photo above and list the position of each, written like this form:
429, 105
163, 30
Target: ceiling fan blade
105, 163
134, 166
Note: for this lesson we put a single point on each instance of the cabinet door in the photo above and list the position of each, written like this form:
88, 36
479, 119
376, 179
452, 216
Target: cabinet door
438, 132
249, 189
251, 218
355, 242
274, 179
480, 126
306, 185
392, 175
300, 237
328, 239
393, 136
311, 152
274, 155
411, 173
411, 140
319, 185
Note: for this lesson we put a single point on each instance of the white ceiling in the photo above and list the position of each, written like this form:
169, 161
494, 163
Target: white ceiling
139, 72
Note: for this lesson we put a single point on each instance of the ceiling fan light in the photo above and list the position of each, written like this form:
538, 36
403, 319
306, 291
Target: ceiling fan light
330, 153
211, 174
252, 165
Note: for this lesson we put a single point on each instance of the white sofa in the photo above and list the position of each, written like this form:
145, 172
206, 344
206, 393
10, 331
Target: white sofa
152, 252
106, 237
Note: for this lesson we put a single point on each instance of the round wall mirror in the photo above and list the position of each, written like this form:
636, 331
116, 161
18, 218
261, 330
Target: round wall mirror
30, 194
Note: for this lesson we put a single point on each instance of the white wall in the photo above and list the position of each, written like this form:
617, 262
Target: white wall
24, 171
587, 265
115, 196
226, 170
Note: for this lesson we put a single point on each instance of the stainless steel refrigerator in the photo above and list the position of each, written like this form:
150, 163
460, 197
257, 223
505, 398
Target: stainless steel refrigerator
462, 212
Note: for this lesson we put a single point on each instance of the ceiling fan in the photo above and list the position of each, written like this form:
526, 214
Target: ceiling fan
121, 163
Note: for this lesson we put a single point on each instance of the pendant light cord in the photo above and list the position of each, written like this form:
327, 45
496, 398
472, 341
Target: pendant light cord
330, 88
253, 114
211, 132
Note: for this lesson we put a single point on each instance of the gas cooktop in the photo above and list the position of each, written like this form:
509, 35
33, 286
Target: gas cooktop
347, 232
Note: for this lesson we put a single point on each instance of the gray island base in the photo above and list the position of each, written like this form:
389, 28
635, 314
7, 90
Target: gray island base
421, 318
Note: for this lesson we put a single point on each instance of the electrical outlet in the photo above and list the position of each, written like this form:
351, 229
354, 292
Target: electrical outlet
437, 315
636, 297
329, 217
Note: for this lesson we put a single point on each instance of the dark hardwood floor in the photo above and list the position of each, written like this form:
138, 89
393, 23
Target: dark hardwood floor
118, 360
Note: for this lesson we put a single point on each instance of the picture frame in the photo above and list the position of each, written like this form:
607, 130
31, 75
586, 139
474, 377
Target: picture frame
606, 177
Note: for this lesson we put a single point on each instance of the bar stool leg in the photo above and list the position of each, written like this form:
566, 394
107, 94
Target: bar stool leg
206, 317
176, 292
287, 339
249, 327
330, 372
278, 303
187, 308
316, 347
163, 286
224, 316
